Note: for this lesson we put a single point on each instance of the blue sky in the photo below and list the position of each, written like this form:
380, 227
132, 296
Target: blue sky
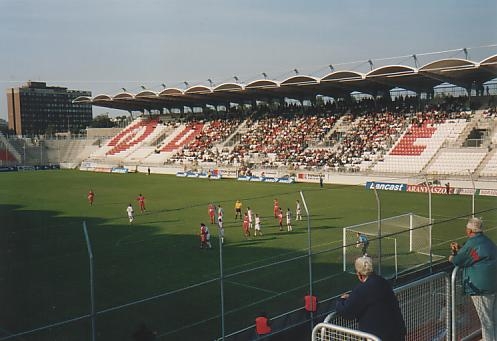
105, 45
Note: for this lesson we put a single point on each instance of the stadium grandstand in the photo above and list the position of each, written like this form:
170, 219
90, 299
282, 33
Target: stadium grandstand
436, 121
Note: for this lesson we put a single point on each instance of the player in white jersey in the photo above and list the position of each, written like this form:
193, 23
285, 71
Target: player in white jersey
221, 228
289, 220
130, 212
249, 213
298, 211
257, 225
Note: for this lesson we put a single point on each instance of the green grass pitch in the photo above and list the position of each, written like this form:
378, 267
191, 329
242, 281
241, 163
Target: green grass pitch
44, 268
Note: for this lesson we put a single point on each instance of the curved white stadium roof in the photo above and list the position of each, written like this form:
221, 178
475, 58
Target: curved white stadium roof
459, 72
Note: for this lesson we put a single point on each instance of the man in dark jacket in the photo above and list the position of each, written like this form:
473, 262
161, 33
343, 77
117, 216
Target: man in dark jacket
373, 304
478, 258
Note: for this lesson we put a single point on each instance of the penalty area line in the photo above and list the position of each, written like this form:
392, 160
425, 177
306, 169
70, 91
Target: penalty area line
251, 287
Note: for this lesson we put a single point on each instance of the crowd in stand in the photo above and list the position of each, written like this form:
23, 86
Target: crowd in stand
306, 141
338, 135
203, 147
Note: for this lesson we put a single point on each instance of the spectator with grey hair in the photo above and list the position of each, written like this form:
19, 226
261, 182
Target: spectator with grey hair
478, 259
373, 304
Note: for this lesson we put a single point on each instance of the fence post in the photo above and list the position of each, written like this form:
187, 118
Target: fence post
453, 303
378, 204
309, 253
92, 283
429, 218
473, 195
221, 283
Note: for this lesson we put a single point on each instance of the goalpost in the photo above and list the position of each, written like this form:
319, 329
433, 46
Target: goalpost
405, 243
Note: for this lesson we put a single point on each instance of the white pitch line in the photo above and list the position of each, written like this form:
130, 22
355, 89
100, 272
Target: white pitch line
252, 287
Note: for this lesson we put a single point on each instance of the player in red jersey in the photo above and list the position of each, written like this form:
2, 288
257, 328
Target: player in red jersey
246, 230
91, 196
280, 219
276, 208
211, 208
141, 202
205, 237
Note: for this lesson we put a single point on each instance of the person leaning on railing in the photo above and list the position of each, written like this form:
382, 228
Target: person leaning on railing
478, 259
373, 304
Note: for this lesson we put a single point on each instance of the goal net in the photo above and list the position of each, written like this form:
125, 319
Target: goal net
405, 243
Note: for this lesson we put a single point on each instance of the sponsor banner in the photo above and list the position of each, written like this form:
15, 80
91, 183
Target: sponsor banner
434, 189
286, 180
386, 186
198, 175
308, 176
8, 169
228, 173
464, 191
47, 167
270, 174
103, 169
88, 164
266, 179
120, 170
488, 192
25, 168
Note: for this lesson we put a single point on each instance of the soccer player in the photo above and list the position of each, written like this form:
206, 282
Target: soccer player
276, 207
130, 212
221, 229
245, 225
141, 202
257, 228
249, 213
363, 242
220, 211
211, 208
280, 219
238, 209
289, 220
205, 237
298, 211
91, 196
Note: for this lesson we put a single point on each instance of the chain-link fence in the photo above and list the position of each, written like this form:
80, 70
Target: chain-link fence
224, 304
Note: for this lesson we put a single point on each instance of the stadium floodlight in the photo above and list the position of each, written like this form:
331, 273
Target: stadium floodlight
331, 67
465, 50
415, 60
163, 85
210, 82
124, 89
264, 75
370, 64
186, 84
235, 78
143, 87
296, 71
473, 194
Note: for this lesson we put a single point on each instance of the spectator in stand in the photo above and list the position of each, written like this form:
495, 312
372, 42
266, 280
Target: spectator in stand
373, 304
478, 259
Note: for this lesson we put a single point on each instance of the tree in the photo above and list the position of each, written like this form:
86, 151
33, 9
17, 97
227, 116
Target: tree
102, 121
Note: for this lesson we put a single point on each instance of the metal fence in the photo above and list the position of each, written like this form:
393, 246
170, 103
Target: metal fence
434, 309
328, 332
317, 269
464, 320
